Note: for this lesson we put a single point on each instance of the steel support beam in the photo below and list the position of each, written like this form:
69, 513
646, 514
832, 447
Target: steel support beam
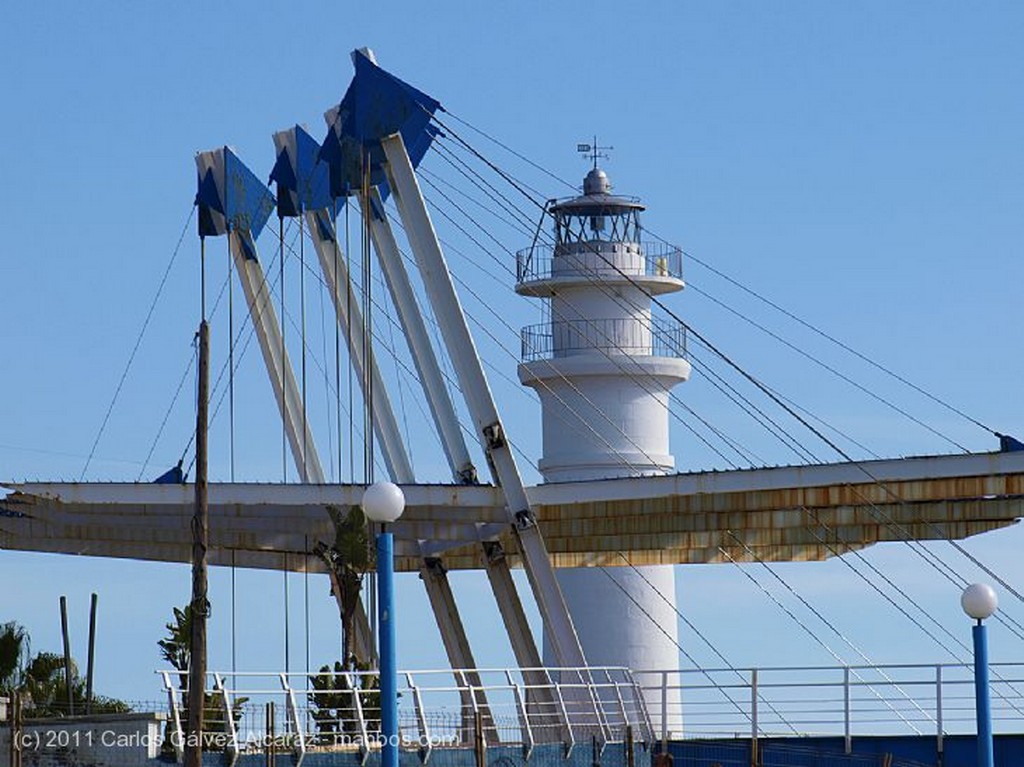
439, 592
456, 643
452, 439
275, 356
540, 700
282, 378
462, 351
402, 296
350, 320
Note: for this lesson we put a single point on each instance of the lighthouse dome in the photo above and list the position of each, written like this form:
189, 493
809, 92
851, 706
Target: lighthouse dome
596, 182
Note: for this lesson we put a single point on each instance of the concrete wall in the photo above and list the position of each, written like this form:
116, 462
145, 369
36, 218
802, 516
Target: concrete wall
114, 740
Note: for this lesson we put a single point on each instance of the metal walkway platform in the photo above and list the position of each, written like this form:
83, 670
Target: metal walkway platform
773, 514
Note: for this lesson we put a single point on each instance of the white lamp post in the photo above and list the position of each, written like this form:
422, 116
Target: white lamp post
979, 601
384, 502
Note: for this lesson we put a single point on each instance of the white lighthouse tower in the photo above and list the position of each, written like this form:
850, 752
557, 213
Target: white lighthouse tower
603, 367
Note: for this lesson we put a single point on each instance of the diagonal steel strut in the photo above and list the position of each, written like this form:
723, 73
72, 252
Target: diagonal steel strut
459, 342
286, 391
449, 429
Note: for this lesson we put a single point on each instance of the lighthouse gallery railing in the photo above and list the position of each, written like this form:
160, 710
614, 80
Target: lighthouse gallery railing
639, 337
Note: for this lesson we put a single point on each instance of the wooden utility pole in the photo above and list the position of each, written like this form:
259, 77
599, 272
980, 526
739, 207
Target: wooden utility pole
92, 654
200, 536
68, 676
17, 730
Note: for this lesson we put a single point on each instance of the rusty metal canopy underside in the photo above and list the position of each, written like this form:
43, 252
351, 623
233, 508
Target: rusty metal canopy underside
799, 513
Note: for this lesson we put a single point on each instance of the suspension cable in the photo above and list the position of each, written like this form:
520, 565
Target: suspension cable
138, 343
757, 383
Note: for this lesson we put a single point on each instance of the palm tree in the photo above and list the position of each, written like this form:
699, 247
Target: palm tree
175, 649
14, 653
347, 560
44, 687
333, 703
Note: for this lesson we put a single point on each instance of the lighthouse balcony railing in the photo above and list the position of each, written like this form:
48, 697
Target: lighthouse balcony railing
599, 259
609, 337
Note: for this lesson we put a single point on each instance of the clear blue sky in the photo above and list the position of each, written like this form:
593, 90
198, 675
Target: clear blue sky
860, 163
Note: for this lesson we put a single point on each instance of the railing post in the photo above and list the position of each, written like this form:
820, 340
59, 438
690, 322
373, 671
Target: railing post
618, 698
293, 715
587, 684
177, 737
940, 735
229, 718
524, 718
664, 712
643, 715
421, 717
754, 706
570, 735
270, 751
355, 685
754, 755
847, 740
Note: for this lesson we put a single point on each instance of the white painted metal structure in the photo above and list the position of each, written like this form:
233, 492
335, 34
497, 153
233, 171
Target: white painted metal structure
469, 370
350, 319
604, 369
429, 714
434, 573
838, 701
279, 368
777, 513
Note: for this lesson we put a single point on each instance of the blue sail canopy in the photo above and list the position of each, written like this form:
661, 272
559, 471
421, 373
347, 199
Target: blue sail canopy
302, 180
376, 104
229, 195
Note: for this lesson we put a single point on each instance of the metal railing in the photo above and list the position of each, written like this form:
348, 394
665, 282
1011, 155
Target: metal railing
626, 336
844, 701
332, 711
599, 259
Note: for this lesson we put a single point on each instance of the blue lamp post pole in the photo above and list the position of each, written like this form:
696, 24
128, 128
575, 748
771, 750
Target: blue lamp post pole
384, 502
980, 602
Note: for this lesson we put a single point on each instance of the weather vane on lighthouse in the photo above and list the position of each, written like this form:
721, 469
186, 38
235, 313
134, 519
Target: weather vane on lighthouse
594, 151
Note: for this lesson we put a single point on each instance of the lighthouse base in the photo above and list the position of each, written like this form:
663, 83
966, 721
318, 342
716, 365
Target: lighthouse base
626, 617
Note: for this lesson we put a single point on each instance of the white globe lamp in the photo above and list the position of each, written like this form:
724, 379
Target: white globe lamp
383, 502
979, 601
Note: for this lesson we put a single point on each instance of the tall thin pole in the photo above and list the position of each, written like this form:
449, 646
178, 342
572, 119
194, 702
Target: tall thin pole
68, 680
287, 616
367, 327
348, 333
337, 341
231, 362
388, 652
234, 634
200, 541
284, 378
302, 313
91, 665
986, 757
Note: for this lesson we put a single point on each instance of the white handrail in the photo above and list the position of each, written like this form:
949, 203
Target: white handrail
579, 703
